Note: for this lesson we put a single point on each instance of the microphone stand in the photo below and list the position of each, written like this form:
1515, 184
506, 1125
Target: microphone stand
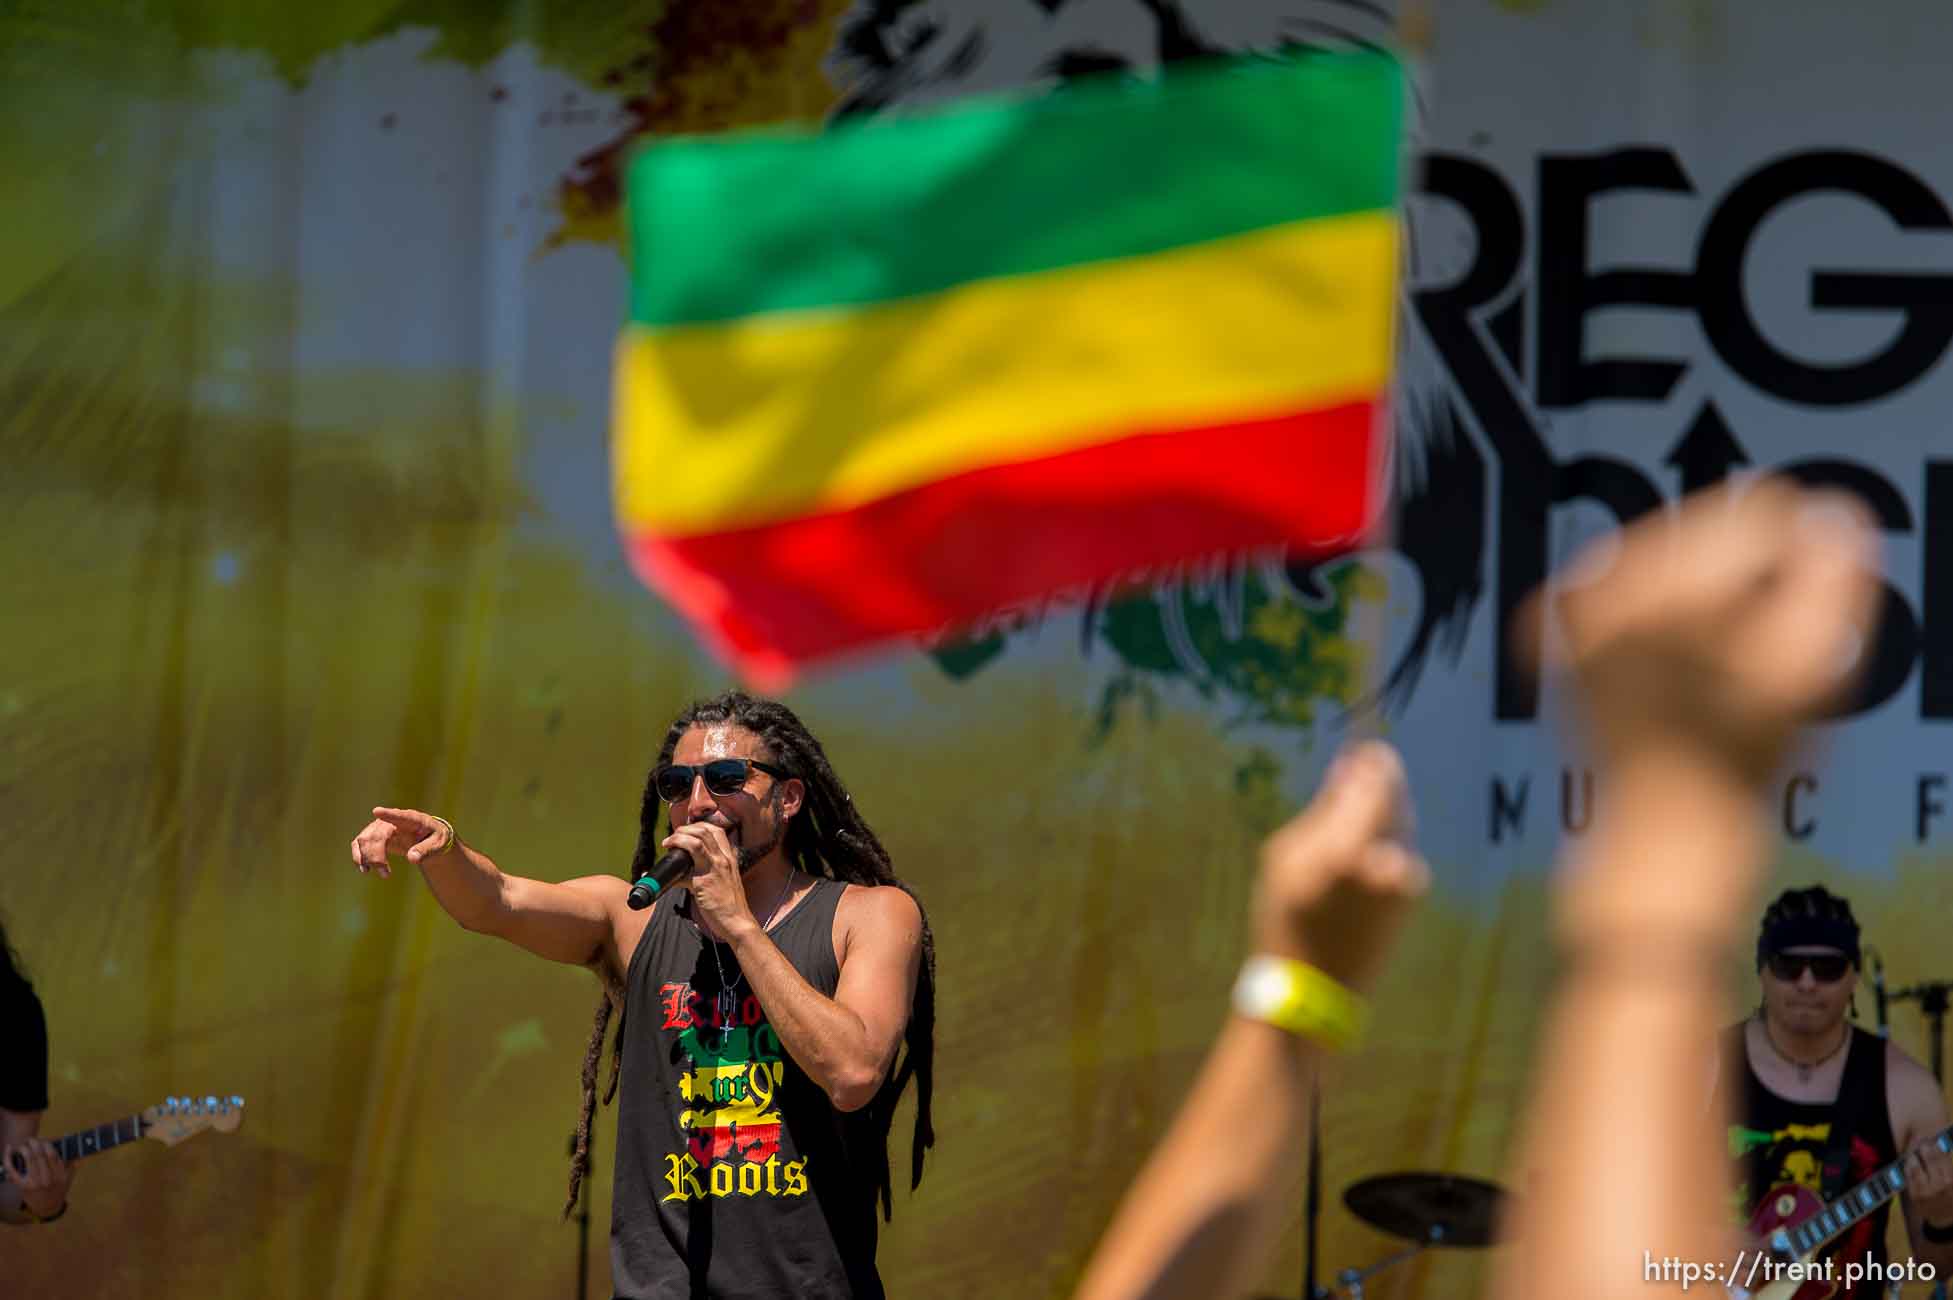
1350, 1281
1931, 995
1877, 963
1312, 1201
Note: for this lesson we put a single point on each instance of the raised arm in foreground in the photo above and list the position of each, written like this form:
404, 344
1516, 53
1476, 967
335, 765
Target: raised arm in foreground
1700, 654
1335, 885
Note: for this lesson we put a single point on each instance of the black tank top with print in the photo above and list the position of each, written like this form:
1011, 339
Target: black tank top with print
734, 1171
1825, 1148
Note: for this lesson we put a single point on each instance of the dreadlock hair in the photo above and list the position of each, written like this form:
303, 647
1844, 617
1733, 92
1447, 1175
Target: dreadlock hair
612, 998
827, 837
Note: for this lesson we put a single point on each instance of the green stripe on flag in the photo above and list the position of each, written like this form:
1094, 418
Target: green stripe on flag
735, 226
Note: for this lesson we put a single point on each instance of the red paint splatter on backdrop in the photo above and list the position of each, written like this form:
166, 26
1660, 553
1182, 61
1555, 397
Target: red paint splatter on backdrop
704, 66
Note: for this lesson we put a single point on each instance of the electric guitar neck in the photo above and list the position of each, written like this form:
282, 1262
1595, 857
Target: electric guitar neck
1792, 1225
169, 1121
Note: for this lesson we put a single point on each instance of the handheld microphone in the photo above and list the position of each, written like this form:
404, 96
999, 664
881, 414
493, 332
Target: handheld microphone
1878, 991
675, 863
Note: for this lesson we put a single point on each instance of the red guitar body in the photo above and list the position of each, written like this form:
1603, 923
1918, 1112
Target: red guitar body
1787, 1206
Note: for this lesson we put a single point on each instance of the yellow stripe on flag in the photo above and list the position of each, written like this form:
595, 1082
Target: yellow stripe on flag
719, 426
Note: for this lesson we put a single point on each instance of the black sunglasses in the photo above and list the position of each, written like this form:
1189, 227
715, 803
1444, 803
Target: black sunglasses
722, 776
1828, 968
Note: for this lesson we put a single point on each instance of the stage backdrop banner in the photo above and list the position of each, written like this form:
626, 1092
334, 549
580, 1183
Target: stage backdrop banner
306, 328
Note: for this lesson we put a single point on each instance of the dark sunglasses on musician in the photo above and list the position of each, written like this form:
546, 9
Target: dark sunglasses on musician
1827, 968
722, 776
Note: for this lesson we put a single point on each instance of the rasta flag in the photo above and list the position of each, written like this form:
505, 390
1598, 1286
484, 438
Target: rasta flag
887, 378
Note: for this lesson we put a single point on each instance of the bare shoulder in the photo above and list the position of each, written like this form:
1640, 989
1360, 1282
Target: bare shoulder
609, 896
608, 890
1918, 1107
1901, 1068
883, 917
879, 906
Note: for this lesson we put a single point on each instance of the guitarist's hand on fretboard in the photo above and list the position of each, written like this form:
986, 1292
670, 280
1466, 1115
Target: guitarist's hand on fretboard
1929, 1181
38, 1177
37, 1172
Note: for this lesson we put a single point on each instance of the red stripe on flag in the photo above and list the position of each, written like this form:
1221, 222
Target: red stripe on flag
777, 596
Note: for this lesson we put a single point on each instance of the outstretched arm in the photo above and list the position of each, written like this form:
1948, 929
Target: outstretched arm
572, 922
1335, 885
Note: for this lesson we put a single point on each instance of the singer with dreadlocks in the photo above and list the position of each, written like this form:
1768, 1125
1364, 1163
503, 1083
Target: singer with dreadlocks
765, 1009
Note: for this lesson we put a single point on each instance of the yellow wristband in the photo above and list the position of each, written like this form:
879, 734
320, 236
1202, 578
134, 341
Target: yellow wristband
1295, 996
447, 826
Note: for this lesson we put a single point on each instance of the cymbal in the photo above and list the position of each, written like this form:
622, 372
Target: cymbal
1441, 1209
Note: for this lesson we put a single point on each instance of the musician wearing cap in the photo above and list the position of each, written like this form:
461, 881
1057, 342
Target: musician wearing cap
1821, 1106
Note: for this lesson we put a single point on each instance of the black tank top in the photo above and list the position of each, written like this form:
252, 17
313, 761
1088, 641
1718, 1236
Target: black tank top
1828, 1148
734, 1173
23, 1028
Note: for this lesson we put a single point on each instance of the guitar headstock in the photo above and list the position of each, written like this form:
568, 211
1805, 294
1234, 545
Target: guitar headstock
175, 1118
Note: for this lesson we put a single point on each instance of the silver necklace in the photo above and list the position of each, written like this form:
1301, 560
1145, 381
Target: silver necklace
727, 1001
1804, 1069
